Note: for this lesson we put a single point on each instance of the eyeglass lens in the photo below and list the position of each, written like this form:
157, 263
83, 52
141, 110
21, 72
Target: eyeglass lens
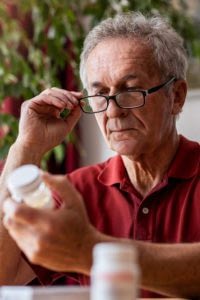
99, 103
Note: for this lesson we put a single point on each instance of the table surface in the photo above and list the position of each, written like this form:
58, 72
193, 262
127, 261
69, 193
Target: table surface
49, 293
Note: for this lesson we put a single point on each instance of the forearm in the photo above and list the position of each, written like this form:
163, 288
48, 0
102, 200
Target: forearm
168, 269
18, 155
10, 255
171, 269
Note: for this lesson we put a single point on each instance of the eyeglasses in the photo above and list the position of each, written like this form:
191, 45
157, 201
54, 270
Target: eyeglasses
131, 98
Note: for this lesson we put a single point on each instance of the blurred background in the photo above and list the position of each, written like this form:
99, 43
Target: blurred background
40, 45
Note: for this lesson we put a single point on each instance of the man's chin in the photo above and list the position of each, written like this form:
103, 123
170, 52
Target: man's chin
123, 148
123, 135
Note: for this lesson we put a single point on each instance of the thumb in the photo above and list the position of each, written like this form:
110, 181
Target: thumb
73, 118
63, 188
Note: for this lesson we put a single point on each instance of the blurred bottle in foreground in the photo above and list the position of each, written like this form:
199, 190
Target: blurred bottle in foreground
115, 272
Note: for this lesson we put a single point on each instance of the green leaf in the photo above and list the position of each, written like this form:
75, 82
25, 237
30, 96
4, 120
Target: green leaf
59, 153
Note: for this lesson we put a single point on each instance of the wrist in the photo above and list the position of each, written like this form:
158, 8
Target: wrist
25, 154
91, 239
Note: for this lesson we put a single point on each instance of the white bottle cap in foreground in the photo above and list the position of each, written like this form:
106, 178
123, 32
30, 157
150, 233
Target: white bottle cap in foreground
24, 180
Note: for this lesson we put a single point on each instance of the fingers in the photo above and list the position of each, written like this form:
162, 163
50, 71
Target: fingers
59, 98
61, 185
72, 118
29, 239
15, 229
21, 214
52, 102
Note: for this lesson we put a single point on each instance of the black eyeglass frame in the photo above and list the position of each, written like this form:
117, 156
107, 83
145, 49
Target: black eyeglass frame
113, 97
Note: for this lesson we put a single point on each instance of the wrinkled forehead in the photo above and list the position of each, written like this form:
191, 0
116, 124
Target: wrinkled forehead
119, 56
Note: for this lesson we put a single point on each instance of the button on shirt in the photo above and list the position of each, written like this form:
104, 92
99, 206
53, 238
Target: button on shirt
145, 210
170, 213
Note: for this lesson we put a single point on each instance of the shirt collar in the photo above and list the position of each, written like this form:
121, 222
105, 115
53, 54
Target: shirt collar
184, 165
186, 161
114, 171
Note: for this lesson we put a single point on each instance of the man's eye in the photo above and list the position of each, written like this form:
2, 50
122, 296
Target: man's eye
131, 88
101, 93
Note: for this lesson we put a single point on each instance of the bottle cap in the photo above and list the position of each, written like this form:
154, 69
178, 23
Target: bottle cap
110, 252
24, 180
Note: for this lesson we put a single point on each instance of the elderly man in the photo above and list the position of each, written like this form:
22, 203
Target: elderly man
134, 71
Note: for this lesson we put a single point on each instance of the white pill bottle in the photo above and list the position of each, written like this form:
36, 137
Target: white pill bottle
25, 185
115, 273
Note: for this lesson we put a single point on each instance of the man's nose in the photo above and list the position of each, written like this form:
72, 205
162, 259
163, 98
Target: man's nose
113, 109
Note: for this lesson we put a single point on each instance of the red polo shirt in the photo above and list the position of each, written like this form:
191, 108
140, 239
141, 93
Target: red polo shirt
170, 213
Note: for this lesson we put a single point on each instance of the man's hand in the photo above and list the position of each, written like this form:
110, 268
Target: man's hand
61, 239
41, 128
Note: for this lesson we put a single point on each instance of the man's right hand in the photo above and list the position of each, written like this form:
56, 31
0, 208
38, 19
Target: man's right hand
40, 127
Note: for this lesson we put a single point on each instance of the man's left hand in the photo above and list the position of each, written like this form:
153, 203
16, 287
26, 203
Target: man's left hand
60, 239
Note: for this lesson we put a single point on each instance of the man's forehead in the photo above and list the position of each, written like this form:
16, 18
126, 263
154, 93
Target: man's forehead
118, 59
127, 77
118, 52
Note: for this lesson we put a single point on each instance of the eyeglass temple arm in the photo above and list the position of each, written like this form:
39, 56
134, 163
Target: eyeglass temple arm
156, 88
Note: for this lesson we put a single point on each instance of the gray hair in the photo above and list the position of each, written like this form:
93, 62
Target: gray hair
166, 44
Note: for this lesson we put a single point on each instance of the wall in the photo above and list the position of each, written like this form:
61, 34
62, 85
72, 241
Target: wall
189, 122
95, 149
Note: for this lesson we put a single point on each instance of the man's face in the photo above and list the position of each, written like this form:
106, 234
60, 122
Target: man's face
113, 66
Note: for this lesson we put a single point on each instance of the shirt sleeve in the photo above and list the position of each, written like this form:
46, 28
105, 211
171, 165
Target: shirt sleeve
46, 277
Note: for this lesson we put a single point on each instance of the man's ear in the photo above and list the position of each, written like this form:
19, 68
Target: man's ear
180, 92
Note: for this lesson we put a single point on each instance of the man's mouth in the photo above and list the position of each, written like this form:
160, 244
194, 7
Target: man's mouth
121, 130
